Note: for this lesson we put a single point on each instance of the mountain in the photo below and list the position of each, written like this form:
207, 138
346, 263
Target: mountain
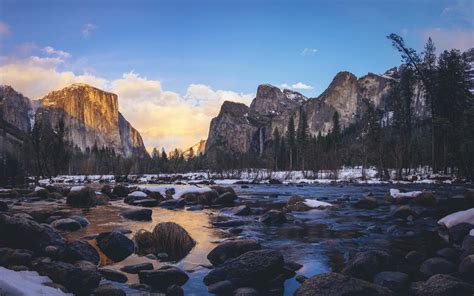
90, 117
240, 129
15, 109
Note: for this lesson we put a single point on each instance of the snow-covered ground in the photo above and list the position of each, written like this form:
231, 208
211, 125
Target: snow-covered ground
345, 174
454, 219
26, 283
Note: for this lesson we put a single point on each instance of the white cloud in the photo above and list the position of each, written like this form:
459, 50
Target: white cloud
301, 85
460, 12
445, 39
87, 29
50, 50
4, 30
164, 118
309, 51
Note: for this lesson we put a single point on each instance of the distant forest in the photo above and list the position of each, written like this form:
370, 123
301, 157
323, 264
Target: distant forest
443, 141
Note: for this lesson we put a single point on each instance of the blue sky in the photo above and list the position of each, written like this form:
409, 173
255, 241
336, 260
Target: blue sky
229, 45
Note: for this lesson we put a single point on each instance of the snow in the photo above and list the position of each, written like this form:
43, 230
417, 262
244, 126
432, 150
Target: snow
313, 203
138, 194
471, 233
77, 188
38, 188
454, 219
180, 190
395, 193
25, 283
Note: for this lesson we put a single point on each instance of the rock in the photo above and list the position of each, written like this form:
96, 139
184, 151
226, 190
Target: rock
251, 268
66, 224
173, 204
366, 203
469, 196
115, 245
137, 214
147, 202
468, 245
300, 278
294, 199
137, 267
459, 231
221, 190
415, 257
81, 219
436, 265
81, 250
229, 223
86, 265
242, 210
235, 230
245, 291
395, 281
335, 284
174, 290
402, 212
298, 206
73, 278
443, 285
3, 206
293, 266
122, 230
232, 249
120, 190
426, 199
101, 200
221, 288
9, 257
466, 269
448, 253
20, 232
106, 189
365, 265
163, 277
195, 208
108, 290
374, 229
84, 198
225, 198
113, 275
273, 217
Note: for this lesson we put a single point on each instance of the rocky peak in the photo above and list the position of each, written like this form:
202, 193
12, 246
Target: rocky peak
15, 108
271, 100
294, 96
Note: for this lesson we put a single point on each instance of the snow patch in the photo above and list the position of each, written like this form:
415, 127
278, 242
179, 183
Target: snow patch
454, 219
180, 190
77, 188
138, 194
313, 203
38, 188
26, 283
395, 193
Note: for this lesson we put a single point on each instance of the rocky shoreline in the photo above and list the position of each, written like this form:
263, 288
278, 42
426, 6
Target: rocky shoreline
34, 240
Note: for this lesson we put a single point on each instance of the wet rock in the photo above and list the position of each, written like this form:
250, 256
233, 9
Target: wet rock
81, 250
101, 199
293, 266
273, 217
242, 210
468, 245
469, 196
20, 232
229, 223
195, 208
443, 285
137, 214
83, 199
120, 190
148, 203
251, 268
415, 257
459, 231
448, 253
173, 204
106, 189
367, 202
221, 288
122, 230
10, 257
203, 198
86, 265
335, 284
163, 277
225, 198
466, 269
81, 219
395, 281
66, 224
174, 290
108, 290
300, 278
245, 291
293, 200
436, 265
365, 265
115, 245
73, 278
3, 206
403, 212
137, 267
426, 199
232, 249
113, 275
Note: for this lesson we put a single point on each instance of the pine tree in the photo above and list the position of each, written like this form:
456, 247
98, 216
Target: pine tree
291, 141
276, 147
429, 68
302, 137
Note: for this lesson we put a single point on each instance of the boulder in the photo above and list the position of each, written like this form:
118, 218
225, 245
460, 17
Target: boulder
83, 198
468, 245
163, 277
108, 290
232, 249
415, 257
146, 202
221, 288
245, 291
293, 200
81, 250
20, 232
395, 281
229, 223
225, 198
76, 280
335, 284
115, 245
252, 268
367, 202
365, 265
174, 290
81, 219
402, 212
66, 224
173, 204
120, 190
137, 214
448, 253
443, 285
86, 265
113, 275
242, 210
426, 199
436, 265
466, 269
273, 217
135, 268
459, 231
15, 257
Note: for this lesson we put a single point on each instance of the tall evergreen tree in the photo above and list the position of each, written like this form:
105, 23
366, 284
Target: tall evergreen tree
276, 147
302, 136
291, 140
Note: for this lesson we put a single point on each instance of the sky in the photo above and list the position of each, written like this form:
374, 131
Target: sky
173, 63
